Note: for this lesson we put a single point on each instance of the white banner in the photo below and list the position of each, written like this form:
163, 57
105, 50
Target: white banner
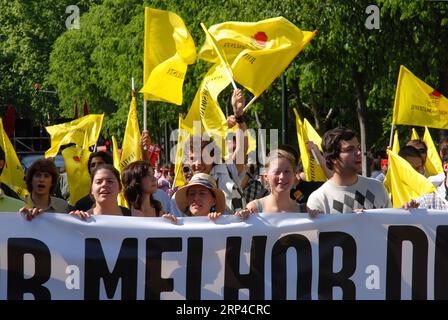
379, 254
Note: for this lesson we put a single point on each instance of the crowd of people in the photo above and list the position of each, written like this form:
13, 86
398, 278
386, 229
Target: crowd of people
217, 187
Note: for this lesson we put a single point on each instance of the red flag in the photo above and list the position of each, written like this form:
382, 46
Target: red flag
86, 108
75, 115
10, 120
154, 151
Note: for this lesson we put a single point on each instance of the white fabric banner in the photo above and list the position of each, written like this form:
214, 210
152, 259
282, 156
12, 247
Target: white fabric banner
379, 254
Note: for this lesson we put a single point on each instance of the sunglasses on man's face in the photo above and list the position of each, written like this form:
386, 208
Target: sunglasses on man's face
422, 150
186, 169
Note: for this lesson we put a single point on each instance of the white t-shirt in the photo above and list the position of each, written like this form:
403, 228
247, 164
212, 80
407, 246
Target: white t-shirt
437, 179
366, 193
164, 199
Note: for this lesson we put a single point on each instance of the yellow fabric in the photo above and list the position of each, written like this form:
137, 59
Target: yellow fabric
414, 135
73, 132
251, 140
416, 103
403, 182
131, 150
12, 174
116, 159
179, 179
205, 107
258, 51
433, 164
78, 176
217, 49
168, 49
396, 143
305, 132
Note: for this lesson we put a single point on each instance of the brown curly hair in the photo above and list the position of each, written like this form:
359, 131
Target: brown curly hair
132, 177
42, 165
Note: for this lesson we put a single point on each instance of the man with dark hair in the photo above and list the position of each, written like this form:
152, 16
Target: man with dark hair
6, 190
346, 191
414, 157
421, 147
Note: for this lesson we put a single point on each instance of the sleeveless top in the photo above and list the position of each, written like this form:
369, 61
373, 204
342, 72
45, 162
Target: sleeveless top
259, 205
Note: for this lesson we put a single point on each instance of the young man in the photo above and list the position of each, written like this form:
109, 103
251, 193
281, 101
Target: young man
414, 157
346, 191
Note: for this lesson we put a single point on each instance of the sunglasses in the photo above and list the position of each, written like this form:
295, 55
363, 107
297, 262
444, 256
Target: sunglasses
186, 169
422, 150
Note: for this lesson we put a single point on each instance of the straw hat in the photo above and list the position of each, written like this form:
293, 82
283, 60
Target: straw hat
205, 180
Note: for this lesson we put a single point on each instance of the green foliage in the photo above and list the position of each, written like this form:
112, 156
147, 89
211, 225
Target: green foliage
96, 62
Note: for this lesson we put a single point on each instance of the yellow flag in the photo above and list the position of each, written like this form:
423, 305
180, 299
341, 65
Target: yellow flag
116, 158
12, 174
73, 132
205, 107
305, 132
76, 159
396, 143
433, 164
258, 51
403, 182
168, 49
131, 150
414, 135
217, 50
418, 104
251, 140
179, 179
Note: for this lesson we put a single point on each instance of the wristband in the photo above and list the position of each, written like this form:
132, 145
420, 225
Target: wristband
240, 119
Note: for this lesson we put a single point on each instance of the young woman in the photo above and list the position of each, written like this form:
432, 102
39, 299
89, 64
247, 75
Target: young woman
105, 188
139, 184
280, 173
201, 197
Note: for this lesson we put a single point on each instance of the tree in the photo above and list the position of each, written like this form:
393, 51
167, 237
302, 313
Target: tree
26, 36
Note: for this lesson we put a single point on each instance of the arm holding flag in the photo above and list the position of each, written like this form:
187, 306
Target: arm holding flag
238, 103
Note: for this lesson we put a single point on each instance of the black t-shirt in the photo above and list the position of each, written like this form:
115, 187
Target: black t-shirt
302, 191
84, 204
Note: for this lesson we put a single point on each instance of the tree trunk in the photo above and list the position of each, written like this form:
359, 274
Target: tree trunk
296, 89
315, 111
362, 112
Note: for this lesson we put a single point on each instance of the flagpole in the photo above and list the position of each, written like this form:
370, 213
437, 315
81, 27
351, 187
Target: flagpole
144, 114
391, 135
250, 103
315, 157
218, 53
229, 74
